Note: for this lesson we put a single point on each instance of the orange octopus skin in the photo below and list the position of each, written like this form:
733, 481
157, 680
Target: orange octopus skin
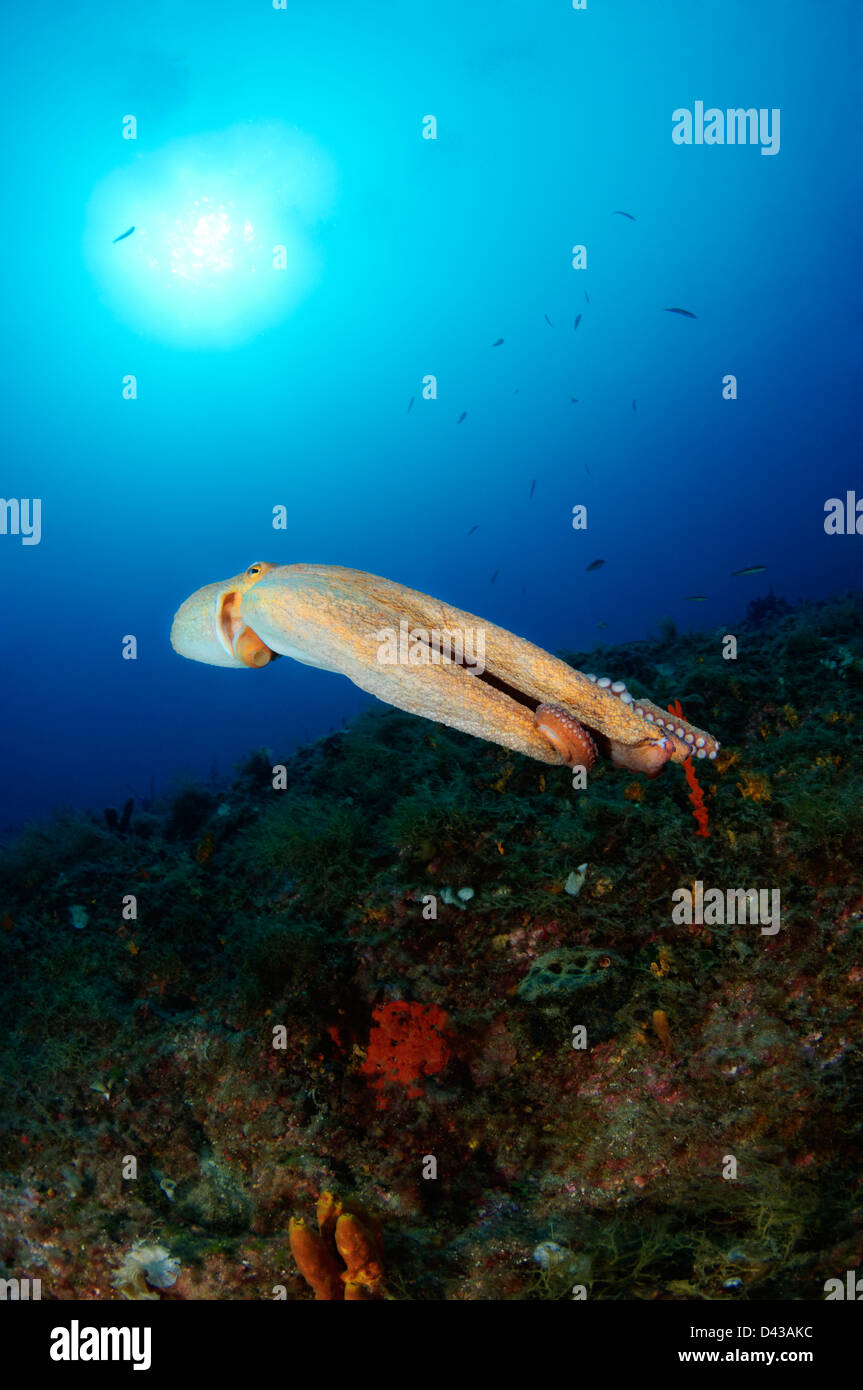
335, 619
571, 739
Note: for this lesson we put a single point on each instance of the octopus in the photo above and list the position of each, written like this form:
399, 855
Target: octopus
409, 650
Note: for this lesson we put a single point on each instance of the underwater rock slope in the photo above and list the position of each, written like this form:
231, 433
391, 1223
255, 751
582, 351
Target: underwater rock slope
430, 976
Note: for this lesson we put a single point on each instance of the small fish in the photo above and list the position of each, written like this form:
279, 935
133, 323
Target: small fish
633, 406
601, 625
573, 400
473, 528
586, 297
410, 403
694, 598
577, 322
498, 343
685, 312
753, 569
463, 416
516, 391
595, 564
617, 213
548, 321
122, 236
494, 576
532, 489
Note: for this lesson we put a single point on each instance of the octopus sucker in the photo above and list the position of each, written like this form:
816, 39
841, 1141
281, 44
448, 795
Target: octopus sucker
572, 741
345, 621
649, 757
685, 738
249, 649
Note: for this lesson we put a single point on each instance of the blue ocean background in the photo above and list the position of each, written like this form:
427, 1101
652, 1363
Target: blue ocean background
409, 257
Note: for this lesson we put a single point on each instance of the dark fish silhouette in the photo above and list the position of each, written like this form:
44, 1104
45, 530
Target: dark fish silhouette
753, 569
473, 528
463, 416
532, 488
694, 598
122, 236
685, 312
573, 400
494, 576
410, 403
595, 565
618, 213
586, 297
577, 322
548, 321
498, 343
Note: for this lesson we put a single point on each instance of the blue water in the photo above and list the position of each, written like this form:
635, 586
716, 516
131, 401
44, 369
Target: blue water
407, 257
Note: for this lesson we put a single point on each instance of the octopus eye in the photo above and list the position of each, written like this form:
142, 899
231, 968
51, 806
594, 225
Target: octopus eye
604, 962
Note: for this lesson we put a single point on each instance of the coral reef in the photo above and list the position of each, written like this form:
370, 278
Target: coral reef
250, 996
